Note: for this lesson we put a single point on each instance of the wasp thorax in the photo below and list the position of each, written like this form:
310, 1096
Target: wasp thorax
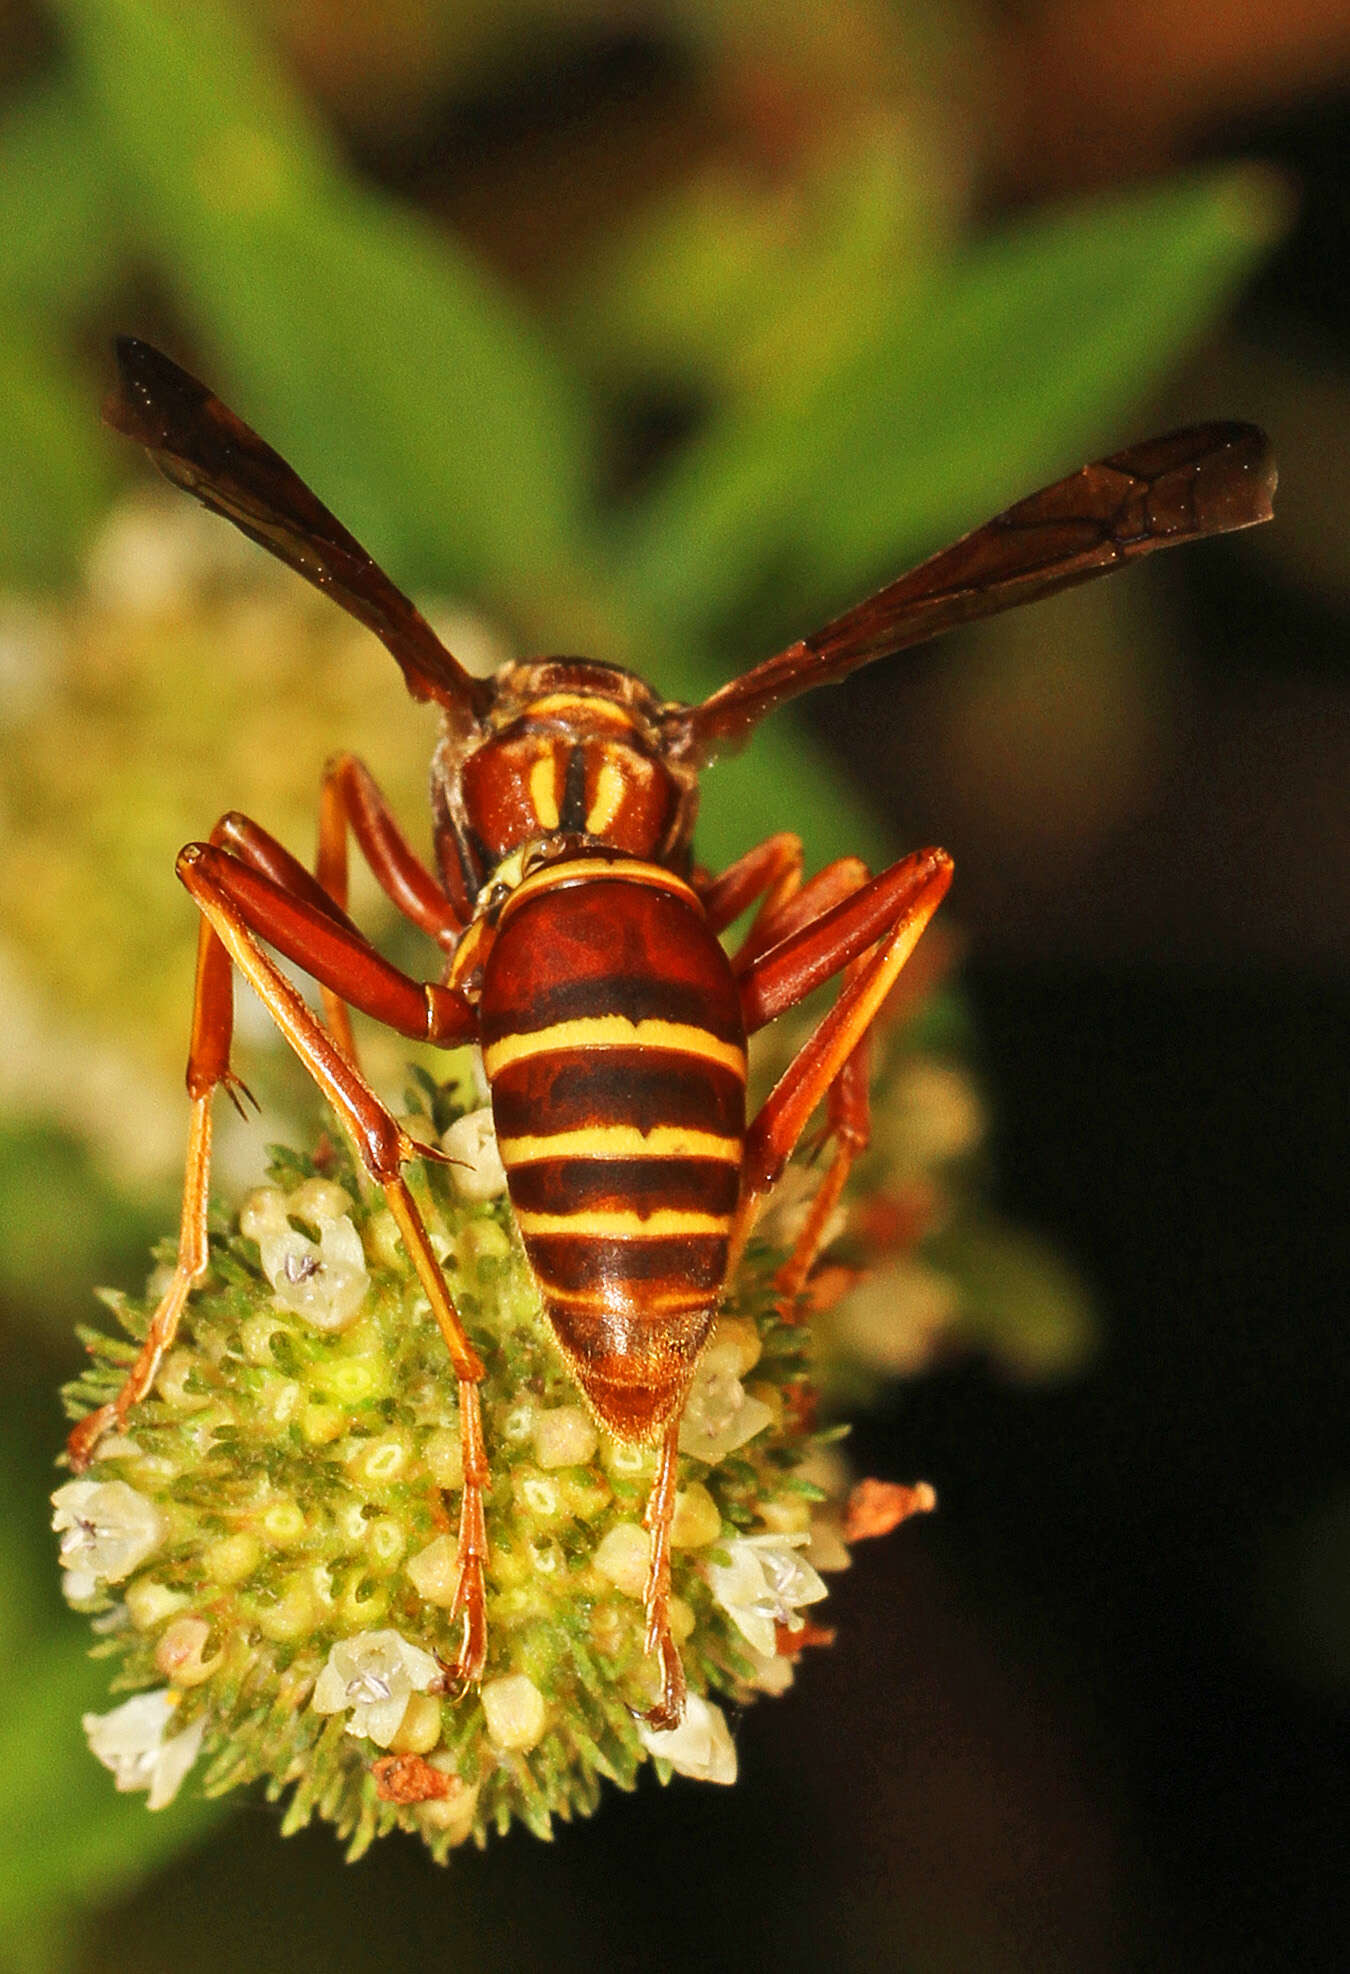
571, 749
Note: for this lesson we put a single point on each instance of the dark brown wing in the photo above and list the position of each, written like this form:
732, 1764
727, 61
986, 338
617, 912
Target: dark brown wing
199, 444
1203, 481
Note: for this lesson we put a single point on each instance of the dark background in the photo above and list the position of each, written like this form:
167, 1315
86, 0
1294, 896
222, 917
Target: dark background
1092, 1716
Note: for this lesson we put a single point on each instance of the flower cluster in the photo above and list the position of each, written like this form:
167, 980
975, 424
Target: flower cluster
199, 676
269, 1549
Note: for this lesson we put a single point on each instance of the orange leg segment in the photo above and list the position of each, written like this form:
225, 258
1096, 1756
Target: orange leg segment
240, 906
657, 1518
772, 871
839, 922
848, 1100
869, 936
351, 800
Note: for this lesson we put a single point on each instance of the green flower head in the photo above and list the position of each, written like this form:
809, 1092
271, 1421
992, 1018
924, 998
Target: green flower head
269, 1549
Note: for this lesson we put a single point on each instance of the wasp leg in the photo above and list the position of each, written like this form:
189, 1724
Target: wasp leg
657, 1518
774, 868
848, 1103
260, 850
240, 906
208, 1066
868, 936
189, 1267
803, 906
352, 800
771, 871
848, 1128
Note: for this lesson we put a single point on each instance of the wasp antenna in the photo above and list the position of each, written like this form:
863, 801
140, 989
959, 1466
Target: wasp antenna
199, 444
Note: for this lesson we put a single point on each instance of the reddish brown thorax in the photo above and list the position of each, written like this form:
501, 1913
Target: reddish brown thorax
567, 749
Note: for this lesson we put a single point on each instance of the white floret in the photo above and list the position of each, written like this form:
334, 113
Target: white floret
373, 1676
132, 1742
323, 1281
762, 1585
720, 1414
107, 1530
471, 1142
701, 1746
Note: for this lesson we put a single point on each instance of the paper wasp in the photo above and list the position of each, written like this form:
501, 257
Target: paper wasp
581, 941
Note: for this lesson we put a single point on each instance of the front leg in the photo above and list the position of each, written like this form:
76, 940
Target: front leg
240, 908
351, 801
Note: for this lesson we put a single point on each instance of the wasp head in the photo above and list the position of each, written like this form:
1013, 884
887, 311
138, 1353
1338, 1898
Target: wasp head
568, 749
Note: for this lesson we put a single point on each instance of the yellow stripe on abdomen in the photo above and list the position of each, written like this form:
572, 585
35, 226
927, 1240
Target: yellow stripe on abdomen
666, 1223
621, 1141
589, 870
615, 1031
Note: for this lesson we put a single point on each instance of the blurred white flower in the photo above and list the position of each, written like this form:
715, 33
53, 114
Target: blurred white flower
897, 1316
772, 1675
151, 555
763, 1584
107, 1530
933, 1115
789, 1203
374, 1675
131, 1742
701, 1746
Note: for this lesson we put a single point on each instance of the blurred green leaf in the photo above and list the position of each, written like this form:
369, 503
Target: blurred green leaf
424, 406
731, 281
1020, 1301
68, 1839
973, 387
66, 1226
1015, 361
63, 238
781, 781
55, 471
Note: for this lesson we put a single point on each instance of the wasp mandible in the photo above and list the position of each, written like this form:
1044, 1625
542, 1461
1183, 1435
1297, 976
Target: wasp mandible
582, 943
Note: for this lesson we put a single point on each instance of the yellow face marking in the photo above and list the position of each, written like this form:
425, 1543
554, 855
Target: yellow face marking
625, 1226
621, 1141
544, 790
559, 705
615, 1031
610, 789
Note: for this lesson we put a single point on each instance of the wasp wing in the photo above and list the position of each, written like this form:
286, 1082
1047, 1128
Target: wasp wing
199, 444
1206, 480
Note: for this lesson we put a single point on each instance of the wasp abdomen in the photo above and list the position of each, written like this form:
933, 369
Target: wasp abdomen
614, 1045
